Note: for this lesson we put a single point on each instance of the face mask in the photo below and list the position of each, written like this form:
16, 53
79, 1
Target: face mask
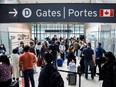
2, 46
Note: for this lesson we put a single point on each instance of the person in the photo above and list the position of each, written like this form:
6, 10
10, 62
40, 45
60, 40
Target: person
6, 71
14, 58
32, 47
71, 55
76, 46
89, 59
48, 74
38, 49
99, 51
31, 40
82, 65
2, 49
32, 50
21, 48
35, 40
54, 38
26, 63
43, 50
62, 49
54, 49
108, 71
46, 42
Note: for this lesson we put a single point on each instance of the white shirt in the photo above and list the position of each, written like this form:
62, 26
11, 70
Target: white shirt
62, 48
72, 67
38, 47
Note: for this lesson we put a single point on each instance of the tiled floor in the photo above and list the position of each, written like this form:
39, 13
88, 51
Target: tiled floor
84, 82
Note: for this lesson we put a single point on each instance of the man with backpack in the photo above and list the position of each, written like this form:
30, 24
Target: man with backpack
49, 76
99, 51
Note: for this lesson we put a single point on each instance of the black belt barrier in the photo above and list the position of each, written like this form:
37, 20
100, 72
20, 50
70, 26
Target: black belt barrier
78, 72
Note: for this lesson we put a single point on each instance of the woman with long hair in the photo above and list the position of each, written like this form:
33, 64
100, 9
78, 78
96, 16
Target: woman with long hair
43, 50
71, 55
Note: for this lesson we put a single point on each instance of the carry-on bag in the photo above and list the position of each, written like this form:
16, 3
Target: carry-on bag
39, 62
72, 79
59, 62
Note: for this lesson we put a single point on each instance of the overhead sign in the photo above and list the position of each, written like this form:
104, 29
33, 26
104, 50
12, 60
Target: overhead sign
58, 12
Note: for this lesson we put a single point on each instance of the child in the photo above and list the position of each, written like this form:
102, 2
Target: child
14, 58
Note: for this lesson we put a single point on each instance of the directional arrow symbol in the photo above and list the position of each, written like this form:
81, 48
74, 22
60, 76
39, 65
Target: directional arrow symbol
14, 12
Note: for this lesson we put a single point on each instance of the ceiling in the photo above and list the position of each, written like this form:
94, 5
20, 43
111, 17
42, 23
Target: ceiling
57, 1
54, 1
67, 1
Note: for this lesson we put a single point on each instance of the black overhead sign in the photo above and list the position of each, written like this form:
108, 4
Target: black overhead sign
57, 12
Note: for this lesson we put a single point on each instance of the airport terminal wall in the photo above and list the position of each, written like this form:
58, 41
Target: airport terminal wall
102, 32
12, 34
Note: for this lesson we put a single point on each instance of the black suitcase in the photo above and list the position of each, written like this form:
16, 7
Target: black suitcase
72, 79
14, 84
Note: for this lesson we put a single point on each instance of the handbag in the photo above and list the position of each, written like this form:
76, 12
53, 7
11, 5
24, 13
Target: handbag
39, 62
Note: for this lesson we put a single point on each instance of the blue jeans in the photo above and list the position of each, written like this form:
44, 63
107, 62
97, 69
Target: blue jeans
29, 74
91, 68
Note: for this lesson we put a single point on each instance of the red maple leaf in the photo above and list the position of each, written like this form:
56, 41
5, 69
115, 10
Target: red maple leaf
106, 12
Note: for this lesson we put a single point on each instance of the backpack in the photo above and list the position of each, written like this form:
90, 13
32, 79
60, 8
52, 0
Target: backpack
55, 80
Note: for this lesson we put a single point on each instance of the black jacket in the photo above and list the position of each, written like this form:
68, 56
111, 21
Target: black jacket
70, 57
44, 75
108, 74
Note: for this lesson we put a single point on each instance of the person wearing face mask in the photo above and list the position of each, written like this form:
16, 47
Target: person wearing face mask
2, 49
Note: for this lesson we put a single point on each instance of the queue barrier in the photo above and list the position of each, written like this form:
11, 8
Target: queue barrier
78, 72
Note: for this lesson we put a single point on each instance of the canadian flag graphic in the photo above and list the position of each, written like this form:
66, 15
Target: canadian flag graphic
106, 12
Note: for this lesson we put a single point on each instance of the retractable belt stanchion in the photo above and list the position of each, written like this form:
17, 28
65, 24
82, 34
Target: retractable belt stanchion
78, 72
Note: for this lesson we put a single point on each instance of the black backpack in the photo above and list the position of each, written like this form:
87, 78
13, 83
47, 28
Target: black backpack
55, 80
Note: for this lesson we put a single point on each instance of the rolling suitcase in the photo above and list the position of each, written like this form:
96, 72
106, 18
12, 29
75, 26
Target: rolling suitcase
59, 62
14, 84
72, 79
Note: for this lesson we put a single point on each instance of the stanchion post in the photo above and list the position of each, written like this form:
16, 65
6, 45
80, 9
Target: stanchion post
79, 79
79, 72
